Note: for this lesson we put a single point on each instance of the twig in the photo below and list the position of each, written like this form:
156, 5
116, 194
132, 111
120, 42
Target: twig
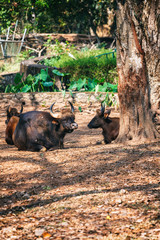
35, 50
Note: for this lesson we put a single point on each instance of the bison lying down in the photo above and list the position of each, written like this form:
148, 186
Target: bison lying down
40, 131
110, 126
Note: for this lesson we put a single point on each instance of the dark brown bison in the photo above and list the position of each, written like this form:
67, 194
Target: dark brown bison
40, 131
110, 126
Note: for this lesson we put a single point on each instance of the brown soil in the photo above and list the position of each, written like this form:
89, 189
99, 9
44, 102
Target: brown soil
88, 190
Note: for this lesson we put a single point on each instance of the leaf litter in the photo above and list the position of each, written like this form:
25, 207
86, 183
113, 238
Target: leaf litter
88, 190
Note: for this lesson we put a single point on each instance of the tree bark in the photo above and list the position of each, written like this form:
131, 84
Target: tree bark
138, 64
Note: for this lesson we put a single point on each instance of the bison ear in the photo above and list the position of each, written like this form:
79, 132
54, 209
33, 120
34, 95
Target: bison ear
99, 112
107, 113
102, 107
55, 121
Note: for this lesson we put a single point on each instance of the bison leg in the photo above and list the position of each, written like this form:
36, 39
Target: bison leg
9, 141
35, 147
61, 145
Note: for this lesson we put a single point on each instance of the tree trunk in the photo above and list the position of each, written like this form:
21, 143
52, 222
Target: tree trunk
138, 66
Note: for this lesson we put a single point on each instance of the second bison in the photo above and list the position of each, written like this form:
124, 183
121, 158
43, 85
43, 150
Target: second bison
109, 125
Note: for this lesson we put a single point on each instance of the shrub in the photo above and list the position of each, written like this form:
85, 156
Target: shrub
86, 63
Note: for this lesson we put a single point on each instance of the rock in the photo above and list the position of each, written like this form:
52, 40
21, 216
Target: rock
39, 232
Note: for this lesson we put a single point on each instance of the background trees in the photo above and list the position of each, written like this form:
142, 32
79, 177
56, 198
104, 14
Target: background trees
56, 15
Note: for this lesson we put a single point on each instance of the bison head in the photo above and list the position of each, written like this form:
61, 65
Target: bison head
67, 119
101, 116
13, 112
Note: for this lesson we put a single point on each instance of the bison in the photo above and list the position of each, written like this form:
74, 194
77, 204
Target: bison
11, 122
110, 126
13, 112
41, 131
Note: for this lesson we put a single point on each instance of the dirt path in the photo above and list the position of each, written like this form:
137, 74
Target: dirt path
85, 191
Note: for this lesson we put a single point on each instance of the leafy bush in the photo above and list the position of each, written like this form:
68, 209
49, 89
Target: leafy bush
85, 70
87, 63
92, 85
42, 82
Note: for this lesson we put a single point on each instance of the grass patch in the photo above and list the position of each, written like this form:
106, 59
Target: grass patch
86, 64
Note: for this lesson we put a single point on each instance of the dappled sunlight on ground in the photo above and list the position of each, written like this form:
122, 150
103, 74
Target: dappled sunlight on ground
88, 190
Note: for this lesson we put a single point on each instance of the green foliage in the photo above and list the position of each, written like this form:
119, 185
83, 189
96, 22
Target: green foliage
85, 64
39, 83
92, 85
110, 100
65, 16
87, 72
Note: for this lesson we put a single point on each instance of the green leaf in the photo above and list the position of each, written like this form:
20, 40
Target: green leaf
44, 74
7, 89
73, 86
63, 93
56, 72
29, 79
80, 109
97, 88
18, 78
112, 87
37, 79
47, 84
91, 85
80, 84
101, 88
26, 88
71, 93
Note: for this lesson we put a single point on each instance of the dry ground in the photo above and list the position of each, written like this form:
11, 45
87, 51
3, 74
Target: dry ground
86, 191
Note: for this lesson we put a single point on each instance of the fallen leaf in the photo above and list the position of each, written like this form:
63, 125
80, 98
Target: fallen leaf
46, 235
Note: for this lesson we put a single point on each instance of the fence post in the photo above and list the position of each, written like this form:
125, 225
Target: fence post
25, 30
2, 47
5, 46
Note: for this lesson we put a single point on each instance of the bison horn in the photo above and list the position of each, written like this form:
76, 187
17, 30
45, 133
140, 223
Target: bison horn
23, 103
54, 115
72, 108
8, 109
51, 112
102, 107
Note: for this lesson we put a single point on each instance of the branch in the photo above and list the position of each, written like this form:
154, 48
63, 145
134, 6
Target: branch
35, 50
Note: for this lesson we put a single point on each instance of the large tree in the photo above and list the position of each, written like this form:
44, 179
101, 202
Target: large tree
138, 63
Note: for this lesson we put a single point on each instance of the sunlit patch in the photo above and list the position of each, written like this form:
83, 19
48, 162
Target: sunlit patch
136, 62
